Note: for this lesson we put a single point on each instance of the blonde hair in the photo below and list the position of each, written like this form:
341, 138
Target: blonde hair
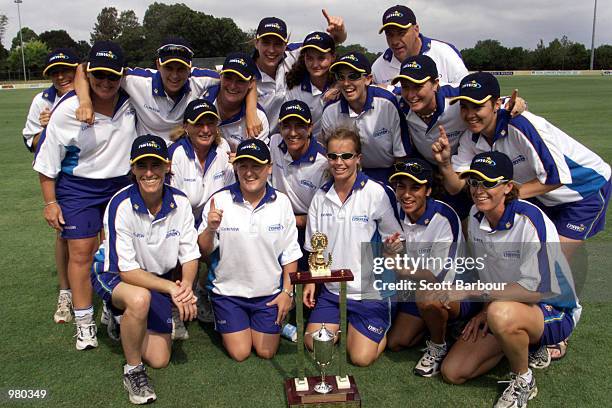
345, 134
513, 194
179, 131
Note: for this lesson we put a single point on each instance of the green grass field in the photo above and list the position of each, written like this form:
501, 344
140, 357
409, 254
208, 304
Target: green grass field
38, 354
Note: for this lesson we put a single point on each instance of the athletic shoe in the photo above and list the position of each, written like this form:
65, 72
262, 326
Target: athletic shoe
63, 314
86, 336
113, 329
106, 314
136, 382
179, 331
517, 393
205, 312
429, 364
540, 358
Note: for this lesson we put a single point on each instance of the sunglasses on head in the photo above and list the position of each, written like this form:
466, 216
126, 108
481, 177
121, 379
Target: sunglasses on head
101, 75
343, 156
475, 182
353, 76
414, 168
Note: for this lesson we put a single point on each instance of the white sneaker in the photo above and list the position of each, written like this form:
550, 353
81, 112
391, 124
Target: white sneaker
179, 331
106, 316
540, 358
429, 364
86, 336
136, 382
517, 393
63, 314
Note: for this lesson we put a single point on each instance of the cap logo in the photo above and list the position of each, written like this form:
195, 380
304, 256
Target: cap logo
107, 54
412, 65
294, 107
415, 167
61, 55
151, 144
202, 106
237, 61
273, 25
471, 84
394, 14
251, 146
349, 57
314, 37
485, 160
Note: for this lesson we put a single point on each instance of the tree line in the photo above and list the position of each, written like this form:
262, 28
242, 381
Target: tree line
213, 37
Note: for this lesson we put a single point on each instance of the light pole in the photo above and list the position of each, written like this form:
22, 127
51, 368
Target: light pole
593, 36
21, 39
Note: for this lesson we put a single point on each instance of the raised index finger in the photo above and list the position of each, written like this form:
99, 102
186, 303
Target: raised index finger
326, 15
212, 204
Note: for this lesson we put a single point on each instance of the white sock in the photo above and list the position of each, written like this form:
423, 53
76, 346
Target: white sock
127, 368
65, 292
442, 346
84, 314
527, 376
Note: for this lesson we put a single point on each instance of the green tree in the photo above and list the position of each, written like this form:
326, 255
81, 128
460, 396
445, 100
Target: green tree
57, 39
343, 49
603, 57
3, 24
35, 53
82, 49
28, 35
107, 25
131, 37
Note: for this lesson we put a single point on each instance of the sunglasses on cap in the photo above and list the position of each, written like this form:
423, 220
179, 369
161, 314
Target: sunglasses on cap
343, 156
474, 182
353, 76
101, 75
414, 168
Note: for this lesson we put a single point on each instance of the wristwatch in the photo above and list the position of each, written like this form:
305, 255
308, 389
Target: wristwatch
288, 292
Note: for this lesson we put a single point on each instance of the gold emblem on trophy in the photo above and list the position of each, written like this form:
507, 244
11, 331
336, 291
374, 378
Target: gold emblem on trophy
316, 260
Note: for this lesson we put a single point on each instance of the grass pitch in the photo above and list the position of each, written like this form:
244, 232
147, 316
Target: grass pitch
38, 354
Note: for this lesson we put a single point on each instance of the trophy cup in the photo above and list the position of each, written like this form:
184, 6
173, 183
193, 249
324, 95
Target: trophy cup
339, 390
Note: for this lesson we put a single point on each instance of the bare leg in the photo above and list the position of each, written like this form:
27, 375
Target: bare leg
266, 345
80, 257
471, 359
436, 318
362, 350
406, 331
135, 302
156, 349
238, 344
61, 261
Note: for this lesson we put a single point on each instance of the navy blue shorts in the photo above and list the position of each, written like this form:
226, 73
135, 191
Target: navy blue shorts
372, 318
83, 202
581, 219
234, 314
558, 325
159, 319
467, 309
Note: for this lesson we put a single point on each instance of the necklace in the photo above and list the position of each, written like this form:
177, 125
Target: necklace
426, 116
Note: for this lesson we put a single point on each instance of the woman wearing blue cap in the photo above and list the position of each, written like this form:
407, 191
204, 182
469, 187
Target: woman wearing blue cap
248, 230
60, 66
310, 78
148, 229
274, 57
525, 283
81, 167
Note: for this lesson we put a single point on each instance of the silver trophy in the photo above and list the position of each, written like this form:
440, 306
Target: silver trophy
323, 354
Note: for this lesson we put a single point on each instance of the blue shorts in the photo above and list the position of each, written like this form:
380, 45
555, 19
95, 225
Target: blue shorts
159, 319
372, 318
558, 325
83, 202
234, 314
581, 219
467, 309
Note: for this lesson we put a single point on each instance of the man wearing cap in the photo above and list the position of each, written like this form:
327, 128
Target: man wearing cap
230, 98
372, 111
81, 167
274, 57
149, 228
248, 229
404, 40
431, 233
160, 96
60, 66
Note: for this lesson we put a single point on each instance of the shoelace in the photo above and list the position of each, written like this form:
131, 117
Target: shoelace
64, 301
138, 379
91, 328
432, 352
514, 390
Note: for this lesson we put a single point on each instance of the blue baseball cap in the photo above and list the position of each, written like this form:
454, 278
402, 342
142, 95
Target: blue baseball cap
398, 16
198, 108
253, 149
272, 26
61, 57
490, 166
354, 60
240, 64
418, 69
320, 41
175, 49
106, 56
478, 88
149, 146
415, 169
297, 109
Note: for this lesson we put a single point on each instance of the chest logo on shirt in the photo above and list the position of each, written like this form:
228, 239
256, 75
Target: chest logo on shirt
230, 229
219, 175
381, 132
189, 179
172, 233
453, 135
512, 254
275, 228
424, 251
361, 219
308, 184
151, 108
328, 214
518, 159
138, 235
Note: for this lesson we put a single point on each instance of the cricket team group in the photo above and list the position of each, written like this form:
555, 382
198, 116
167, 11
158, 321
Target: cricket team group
182, 193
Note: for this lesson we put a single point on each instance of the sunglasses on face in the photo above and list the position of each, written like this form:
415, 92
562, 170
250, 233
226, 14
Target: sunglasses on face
101, 75
474, 182
353, 76
343, 156
414, 168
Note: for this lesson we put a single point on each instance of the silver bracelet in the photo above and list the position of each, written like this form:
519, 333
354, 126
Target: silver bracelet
50, 202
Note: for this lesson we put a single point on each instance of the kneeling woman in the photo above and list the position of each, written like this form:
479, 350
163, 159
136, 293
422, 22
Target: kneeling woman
432, 228
351, 209
536, 306
149, 228
249, 230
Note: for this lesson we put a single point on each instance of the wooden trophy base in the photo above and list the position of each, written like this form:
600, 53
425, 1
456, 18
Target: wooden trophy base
348, 397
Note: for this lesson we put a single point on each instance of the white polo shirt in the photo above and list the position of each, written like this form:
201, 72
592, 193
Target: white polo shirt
523, 248
134, 238
539, 150
313, 97
447, 58
252, 244
98, 151
45, 99
158, 114
436, 237
368, 215
271, 91
299, 179
234, 129
422, 135
381, 126
198, 182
